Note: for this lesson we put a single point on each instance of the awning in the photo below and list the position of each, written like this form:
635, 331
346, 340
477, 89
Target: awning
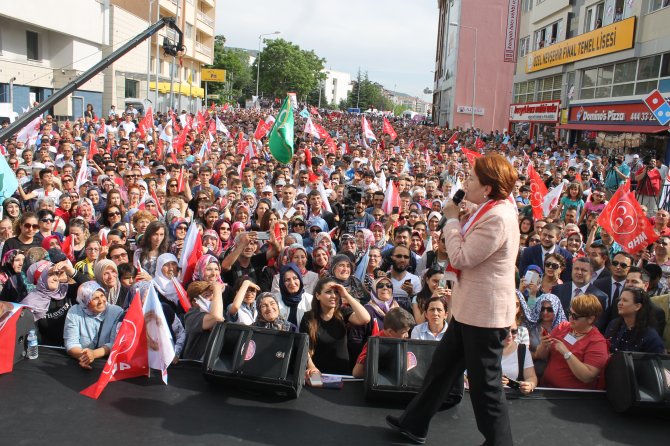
615, 128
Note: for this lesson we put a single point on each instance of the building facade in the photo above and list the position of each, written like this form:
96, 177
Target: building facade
336, 87
472, 82
597, 60
36, 59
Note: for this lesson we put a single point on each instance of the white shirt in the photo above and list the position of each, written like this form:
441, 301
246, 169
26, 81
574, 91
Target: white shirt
304, 306
399, 292
423, 333
510, 364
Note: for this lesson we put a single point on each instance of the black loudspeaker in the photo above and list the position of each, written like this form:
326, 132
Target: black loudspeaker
257, 359
395, 369
24, 324
638, 381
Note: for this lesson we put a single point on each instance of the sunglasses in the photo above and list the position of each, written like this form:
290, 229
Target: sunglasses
173, 185
546, 310
67, 180
575, 316
661, 244
384, 285
29, 226
315, 230
621, 264
298, 224
552, 265
47, 220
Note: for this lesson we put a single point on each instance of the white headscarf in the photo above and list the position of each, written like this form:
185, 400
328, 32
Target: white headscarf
164, 284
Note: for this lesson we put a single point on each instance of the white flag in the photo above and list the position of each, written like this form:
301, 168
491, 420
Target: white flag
30, 131
82, 176
551, 199
381, 181
159, 339
367, 131
324, 196
221, 127
311, 129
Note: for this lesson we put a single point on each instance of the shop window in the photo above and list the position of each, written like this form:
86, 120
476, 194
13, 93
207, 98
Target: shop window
648, 67
625, 72
623, 89
603, 92
655, 5
605, 75
587, 93
589, 78
646, 87
665, 65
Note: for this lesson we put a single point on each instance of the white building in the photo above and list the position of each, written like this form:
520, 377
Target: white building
336, 87
35, 58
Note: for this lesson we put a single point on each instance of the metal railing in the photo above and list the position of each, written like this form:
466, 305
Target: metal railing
204, 49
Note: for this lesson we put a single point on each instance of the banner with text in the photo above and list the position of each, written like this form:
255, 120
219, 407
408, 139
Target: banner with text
512, 31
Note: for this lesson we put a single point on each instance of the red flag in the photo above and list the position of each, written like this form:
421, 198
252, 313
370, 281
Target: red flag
191, 252
8, 343
388, 129
453, 139
578, 178
332, 147
212, 126
101, 128
180, 179
68, 248
181, 293
129, 357
471, 155
240, 143
308, 157
92, 149
625, 221
181, 139
146, 123
262, 129
159, 208
323, 133
537, 192
213, 107
159, 149
391, 198
200, 119
103, 238
479, 143
375, 328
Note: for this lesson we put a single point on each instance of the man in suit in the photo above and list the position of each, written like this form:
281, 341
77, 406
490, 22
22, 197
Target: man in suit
580, 284
613, 285
535, 255
599, 260
637, 277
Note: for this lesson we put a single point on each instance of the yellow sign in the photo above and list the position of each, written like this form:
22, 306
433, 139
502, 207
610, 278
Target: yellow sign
609, 39
212, 75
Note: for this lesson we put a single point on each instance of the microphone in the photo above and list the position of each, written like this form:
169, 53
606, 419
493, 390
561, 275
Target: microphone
457, 198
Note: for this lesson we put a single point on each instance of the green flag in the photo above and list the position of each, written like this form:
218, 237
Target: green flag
281, 135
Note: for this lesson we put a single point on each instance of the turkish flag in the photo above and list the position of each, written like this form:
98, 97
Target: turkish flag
453, 138
537, 192
191, 252
181, 294
471, 155
332, 147
262, 129
388, 129
323, 133
479, 143
68, 248
240, 143
200, 119
9, 316
625, 221
181, 139
129, 357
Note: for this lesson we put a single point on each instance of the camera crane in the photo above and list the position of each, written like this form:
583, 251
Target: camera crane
170, 48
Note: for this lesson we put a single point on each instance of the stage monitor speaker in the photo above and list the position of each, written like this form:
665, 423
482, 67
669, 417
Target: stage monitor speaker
257, 359
396, 368
638, 381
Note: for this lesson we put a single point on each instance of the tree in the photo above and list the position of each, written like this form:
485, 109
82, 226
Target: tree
238, 71
366, 94
285, 67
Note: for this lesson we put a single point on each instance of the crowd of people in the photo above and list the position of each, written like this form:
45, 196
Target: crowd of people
311, 246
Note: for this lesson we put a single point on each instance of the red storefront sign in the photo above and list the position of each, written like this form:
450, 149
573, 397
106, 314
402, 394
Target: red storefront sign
635, 113
535, 111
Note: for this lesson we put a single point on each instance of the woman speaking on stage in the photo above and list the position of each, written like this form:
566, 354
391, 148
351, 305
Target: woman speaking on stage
483, 247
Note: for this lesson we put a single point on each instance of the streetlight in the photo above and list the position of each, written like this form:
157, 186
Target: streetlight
258, 62
474, 74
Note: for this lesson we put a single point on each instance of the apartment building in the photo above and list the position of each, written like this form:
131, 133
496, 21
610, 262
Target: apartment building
584, 68
37, 57
473, 74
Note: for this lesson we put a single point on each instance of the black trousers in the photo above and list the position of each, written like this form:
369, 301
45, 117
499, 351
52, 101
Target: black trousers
479, 350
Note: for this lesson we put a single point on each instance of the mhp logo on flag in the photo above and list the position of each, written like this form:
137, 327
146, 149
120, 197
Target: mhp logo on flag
658, 106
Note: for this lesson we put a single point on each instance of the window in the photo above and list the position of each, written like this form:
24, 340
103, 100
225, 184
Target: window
188, 31
32, 47
131, 88
594, 17
526, 6
548, 35
524, 91
524, 46
634, 77
550, 88
655, 5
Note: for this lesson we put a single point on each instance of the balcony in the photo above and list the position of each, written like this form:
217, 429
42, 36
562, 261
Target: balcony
204, 49
207, 20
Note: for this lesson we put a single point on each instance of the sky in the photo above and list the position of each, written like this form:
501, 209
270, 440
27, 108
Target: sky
393, 40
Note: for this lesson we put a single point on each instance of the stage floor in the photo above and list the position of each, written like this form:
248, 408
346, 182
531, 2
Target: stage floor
40, 404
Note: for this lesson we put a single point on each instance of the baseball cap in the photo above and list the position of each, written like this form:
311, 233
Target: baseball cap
280, 183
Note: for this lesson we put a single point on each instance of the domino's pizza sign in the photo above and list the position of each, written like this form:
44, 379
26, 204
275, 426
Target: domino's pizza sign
658, 106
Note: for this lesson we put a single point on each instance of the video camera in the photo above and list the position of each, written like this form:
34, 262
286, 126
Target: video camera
351, 196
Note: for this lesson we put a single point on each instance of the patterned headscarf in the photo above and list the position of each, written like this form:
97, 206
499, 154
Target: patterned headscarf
533, 315
201, 265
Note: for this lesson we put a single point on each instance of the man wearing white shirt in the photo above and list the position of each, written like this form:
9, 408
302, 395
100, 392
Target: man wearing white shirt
128, 125
405, 284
